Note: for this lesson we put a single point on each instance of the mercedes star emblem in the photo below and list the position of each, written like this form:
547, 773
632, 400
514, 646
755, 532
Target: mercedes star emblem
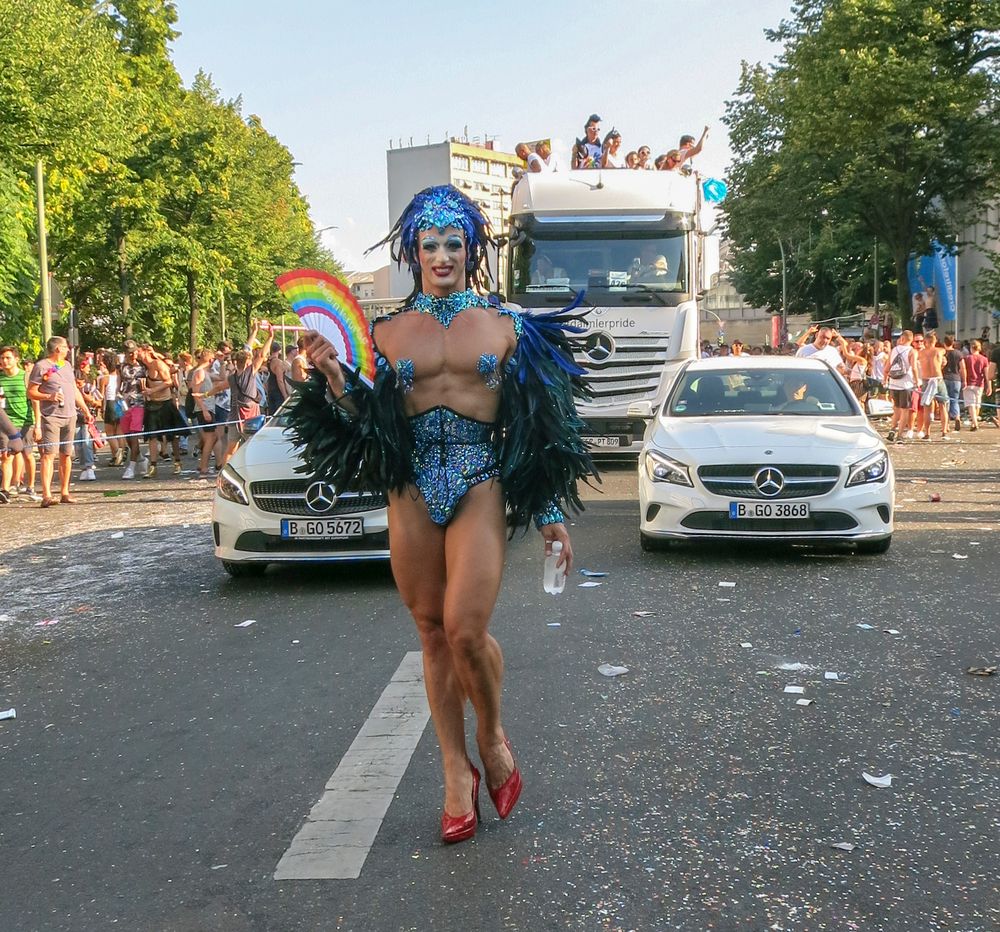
320, 497
769, 481
599, 346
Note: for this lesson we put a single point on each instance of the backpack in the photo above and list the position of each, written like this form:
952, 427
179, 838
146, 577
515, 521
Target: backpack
900, 366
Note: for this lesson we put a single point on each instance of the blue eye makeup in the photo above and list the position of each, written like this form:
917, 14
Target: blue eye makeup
454, 242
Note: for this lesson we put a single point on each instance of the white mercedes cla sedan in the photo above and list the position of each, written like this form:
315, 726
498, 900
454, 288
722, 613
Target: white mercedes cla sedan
266, 511
768, 448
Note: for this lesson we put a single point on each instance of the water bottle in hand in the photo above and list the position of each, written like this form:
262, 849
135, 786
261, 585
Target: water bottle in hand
554, 578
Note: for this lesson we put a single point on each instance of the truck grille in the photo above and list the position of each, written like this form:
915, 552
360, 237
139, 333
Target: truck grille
801, 480
288, 497
632, 373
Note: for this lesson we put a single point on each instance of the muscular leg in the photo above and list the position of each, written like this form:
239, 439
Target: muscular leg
475, 541
418, 564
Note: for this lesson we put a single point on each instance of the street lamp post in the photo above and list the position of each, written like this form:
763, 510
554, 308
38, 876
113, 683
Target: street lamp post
43, 251
784, 293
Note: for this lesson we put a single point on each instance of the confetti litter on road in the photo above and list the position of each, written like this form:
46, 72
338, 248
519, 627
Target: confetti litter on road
798, 690
48, 622
643, 614
554, 624
829, 675
592, 573
8, 714
866, 627
589, 585
844, 845
880, 782
218, 867
982, 671
891, 630
246, 624
745, 644
727, 585
804, 701
795, 667
296, 642
609, 669
960, 556
118, 535
4, 618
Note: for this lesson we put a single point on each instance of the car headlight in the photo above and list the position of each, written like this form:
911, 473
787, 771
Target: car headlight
662, 468
232, 487
873, 468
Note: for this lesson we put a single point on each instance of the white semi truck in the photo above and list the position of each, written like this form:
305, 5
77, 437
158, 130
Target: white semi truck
632, 240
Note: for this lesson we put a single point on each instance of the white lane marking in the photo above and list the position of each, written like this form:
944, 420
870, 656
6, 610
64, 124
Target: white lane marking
341, 828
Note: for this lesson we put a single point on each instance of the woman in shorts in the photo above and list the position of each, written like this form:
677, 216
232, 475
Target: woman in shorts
200, 388
114, 408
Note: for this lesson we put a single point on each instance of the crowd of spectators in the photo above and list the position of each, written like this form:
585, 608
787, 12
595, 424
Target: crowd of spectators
143, 405
928, 380
594, 151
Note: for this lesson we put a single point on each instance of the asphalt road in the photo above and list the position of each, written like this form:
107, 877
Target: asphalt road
162, 759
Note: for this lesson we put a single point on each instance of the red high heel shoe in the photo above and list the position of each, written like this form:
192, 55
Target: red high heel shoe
460, 828
506, 795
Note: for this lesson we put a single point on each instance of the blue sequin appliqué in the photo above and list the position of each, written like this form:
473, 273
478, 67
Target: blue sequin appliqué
488, 370
445, 310
404, 372
452, 454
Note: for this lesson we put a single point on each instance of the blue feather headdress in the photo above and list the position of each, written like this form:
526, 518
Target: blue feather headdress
434, 209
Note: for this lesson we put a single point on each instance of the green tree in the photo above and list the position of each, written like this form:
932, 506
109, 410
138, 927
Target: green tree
884, 113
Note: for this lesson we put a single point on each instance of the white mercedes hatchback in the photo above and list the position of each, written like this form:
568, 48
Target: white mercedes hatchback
765, 448
265, 511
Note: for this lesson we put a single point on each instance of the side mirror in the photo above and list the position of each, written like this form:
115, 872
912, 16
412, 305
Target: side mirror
640, 409
253, 424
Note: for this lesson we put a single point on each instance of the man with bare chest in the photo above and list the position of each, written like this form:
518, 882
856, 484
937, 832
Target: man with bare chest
163, 419
933, 393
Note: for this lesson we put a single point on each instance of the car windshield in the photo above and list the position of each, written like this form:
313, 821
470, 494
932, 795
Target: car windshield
755, 392
560, 260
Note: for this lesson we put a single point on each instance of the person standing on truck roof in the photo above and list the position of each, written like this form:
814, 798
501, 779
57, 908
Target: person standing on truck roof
610, 156
688, 149
549, 161
587, 152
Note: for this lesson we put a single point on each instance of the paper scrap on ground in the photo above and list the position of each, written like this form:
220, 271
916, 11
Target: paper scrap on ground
609, 669
878, 781
960, 556
9, 713
829, 675
982, 671
5, 618
246, 624
642, 614
794, 667
118, 535
795, 689
891, 631
727, 585
46, 623
861, 624
589, 585
804, 701
844, 845
592, 573
554, 624
746, 644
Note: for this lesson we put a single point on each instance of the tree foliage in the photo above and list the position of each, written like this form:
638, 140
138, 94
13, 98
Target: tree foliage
162, 200
880, 120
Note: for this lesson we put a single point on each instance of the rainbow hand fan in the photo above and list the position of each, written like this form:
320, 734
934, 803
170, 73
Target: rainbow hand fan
325, 304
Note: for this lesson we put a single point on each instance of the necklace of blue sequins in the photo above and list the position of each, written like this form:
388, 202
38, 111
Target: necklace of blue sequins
445, 310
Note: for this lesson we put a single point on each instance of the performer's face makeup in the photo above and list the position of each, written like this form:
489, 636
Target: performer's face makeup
442, 261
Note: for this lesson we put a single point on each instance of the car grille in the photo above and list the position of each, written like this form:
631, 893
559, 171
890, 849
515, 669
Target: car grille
288, 497
632, 373
801, 480
259, 542
817, 522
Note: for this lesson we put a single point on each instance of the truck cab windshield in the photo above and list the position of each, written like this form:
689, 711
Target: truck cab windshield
602, 262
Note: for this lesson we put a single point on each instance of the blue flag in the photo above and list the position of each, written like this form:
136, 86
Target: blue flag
945, 276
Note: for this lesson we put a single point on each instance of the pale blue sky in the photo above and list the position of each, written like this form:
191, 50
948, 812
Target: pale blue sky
335, 81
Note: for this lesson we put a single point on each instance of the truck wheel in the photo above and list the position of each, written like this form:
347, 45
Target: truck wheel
873, 547
653, 544
243, 570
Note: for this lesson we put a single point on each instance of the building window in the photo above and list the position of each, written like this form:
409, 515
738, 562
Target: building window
460, 163
497, 168
480, 165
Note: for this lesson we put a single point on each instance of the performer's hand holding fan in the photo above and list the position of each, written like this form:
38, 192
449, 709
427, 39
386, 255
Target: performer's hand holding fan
325, 304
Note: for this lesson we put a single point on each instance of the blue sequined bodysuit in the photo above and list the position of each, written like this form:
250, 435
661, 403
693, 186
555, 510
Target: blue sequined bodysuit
452, 452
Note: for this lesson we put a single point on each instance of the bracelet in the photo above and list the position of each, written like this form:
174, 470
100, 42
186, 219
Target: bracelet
16, 435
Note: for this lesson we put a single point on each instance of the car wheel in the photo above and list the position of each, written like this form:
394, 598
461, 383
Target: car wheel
243, 570
653, 544
868, 547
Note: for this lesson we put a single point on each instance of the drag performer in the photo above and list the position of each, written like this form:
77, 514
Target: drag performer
470, 425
